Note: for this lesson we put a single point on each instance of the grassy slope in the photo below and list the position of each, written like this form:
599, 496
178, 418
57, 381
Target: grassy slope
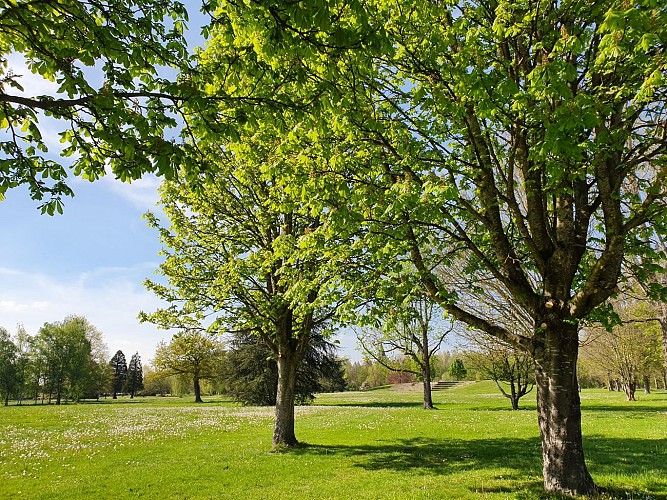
376, 444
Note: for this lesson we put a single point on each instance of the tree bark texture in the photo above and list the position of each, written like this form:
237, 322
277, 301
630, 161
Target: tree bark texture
428, 396
426, 368
663, 328
283, 431
559, 410
197, 390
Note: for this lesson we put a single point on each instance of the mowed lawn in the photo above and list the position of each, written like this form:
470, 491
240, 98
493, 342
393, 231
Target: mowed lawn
373, 444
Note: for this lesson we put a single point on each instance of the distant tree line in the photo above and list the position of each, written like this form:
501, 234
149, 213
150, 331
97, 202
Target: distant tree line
69, 361
243, 368
65, 361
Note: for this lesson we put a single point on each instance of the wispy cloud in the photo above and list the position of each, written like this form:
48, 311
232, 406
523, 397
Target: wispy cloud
141, 193
33, 85
110, 298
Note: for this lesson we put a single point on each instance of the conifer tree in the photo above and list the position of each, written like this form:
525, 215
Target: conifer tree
135, 376
119, 367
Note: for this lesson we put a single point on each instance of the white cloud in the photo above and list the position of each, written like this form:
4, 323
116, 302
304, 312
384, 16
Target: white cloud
109, 298
32, 84
142, 193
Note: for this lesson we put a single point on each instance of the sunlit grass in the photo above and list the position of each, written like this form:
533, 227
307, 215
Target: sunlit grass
375, 444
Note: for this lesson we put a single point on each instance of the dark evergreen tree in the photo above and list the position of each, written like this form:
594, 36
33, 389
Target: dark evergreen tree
135, 375
250, 371
119, 366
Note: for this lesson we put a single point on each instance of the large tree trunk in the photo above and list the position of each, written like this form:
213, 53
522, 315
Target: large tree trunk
428, 399
663, 327
629, 387
559, 410
283, 431
426, 372
197, 390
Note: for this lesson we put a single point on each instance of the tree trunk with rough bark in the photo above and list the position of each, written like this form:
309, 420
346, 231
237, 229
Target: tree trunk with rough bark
647, 385
426, 370
283, 431
629, 388
559, 410
428, 395
197, 390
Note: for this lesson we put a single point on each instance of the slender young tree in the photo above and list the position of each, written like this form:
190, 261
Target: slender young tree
504, 365
118, 366
409, 333
191, 353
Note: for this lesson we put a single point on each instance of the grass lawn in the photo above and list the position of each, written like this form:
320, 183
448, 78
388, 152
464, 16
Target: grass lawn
373, 444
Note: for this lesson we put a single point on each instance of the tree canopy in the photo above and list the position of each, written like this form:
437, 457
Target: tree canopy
528, 136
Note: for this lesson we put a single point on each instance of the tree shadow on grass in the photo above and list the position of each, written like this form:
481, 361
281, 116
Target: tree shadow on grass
629, 407
605, 456
377, 404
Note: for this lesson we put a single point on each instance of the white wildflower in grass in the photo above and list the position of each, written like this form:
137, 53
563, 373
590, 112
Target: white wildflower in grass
107, 429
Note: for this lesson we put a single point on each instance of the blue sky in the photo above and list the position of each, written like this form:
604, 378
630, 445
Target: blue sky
89, 261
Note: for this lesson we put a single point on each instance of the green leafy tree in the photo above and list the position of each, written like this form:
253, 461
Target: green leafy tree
64, 353
155, 383
107, 99
528, 136
118, 365
9, 380
135, 375
99, 380
243, 250
355, 374
191, 353
250, 371
24, 370
457, 370
631, 352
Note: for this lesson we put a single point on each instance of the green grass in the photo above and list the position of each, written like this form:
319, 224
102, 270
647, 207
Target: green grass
374, 444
